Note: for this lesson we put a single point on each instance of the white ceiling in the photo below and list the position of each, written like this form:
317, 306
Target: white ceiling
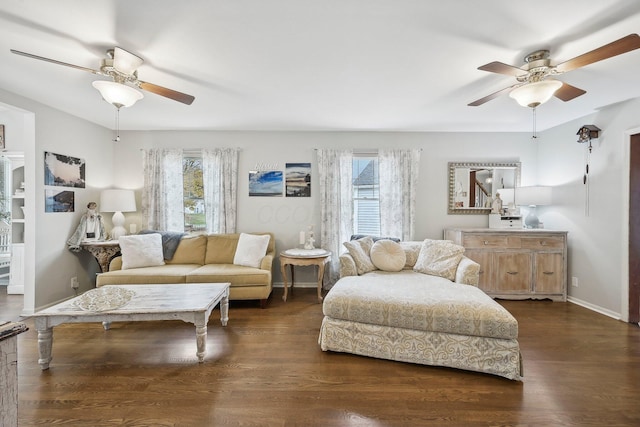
397, 65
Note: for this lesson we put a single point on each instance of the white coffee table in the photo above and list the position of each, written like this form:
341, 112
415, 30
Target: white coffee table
191, 303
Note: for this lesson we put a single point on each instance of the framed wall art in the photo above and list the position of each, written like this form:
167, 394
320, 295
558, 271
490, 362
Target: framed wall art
63, 171
298, 179
265, 183
59, 200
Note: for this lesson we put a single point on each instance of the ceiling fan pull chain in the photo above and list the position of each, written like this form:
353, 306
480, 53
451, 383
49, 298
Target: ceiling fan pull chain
534, 135
117, 139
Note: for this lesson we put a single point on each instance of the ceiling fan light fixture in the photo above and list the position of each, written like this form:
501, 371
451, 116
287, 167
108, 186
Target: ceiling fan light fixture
117, 94
536, 93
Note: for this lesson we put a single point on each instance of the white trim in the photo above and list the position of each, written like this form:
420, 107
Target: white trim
594, 307
624, 258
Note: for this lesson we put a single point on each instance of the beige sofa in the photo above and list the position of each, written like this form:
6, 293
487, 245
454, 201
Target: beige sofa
203, 259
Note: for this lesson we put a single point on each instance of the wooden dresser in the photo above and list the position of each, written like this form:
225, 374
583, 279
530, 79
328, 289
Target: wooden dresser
517, 263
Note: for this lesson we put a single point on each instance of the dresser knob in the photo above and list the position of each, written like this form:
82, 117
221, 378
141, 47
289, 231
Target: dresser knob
486, 243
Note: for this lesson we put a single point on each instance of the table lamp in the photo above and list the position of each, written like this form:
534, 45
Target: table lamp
117, 201
533, 196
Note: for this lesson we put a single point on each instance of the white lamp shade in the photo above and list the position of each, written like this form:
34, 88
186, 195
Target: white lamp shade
117, 94
117, 200
533, 196
534, 94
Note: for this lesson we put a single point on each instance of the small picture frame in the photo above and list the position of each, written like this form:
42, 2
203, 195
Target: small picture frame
2, 140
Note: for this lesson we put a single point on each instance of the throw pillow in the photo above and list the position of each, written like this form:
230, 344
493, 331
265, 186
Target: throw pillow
141, 250
439, 258
251, 249
388, 255
411, 251
359, 251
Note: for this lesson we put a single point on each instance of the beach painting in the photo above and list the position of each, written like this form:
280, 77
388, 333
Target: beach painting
298, 179
265, 183
59, 201
63, 171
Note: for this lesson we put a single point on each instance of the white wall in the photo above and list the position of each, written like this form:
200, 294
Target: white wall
49, 265
285, 217
597, 238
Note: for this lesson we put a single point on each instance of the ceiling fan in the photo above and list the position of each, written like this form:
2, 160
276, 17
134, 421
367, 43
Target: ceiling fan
121, 66
534, 87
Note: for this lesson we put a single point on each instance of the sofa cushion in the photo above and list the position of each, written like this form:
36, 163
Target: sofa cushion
168, 273
191, 250
221, 248
359, 251
439, 258
388, 255
251, 249
237, 275
141, 250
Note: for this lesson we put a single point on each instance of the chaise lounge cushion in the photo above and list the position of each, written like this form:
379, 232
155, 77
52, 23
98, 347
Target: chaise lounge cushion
417, 301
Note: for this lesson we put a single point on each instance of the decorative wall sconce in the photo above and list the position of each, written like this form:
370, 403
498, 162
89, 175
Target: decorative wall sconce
585, 134
588, 132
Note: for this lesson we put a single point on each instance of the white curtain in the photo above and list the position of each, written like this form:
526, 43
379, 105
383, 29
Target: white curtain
398, 180
335, 169
162, 194
220, 178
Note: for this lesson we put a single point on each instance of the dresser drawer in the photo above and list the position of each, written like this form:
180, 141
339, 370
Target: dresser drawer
477, 241
542, 242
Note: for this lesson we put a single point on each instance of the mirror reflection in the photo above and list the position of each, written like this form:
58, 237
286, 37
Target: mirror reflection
473, 187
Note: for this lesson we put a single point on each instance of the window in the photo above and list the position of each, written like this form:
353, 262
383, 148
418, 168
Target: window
366, 195
193, 188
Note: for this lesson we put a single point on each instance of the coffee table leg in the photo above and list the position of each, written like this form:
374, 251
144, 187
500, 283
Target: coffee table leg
224, 310
45, 342
201, 337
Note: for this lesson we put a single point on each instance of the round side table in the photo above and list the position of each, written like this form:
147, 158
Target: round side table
291, 257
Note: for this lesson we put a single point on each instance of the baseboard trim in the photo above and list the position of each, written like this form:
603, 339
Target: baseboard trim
15, 289
595, 308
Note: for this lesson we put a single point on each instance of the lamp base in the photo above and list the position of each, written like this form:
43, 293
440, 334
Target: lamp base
532, 221
118, 226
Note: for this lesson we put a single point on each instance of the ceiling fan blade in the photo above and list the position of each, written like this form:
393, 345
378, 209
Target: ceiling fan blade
568, 92
168, 93
502, 68
493, 95
53, 61
618, 47
125, 61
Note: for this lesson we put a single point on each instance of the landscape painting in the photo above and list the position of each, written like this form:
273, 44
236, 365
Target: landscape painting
265, 183
63, 171
298, 179
59, 201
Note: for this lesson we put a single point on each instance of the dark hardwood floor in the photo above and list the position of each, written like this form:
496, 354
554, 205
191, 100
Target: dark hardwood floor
266, 369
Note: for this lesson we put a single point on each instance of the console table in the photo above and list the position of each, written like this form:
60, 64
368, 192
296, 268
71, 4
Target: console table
103, 252
517, 263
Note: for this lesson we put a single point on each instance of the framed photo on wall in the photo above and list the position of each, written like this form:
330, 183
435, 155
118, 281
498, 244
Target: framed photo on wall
298, 179
63, 171
59, 200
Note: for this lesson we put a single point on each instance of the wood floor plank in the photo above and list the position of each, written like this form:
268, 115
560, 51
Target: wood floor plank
266, 369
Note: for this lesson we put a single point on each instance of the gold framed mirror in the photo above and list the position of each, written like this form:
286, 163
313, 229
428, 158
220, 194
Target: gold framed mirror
473, 185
